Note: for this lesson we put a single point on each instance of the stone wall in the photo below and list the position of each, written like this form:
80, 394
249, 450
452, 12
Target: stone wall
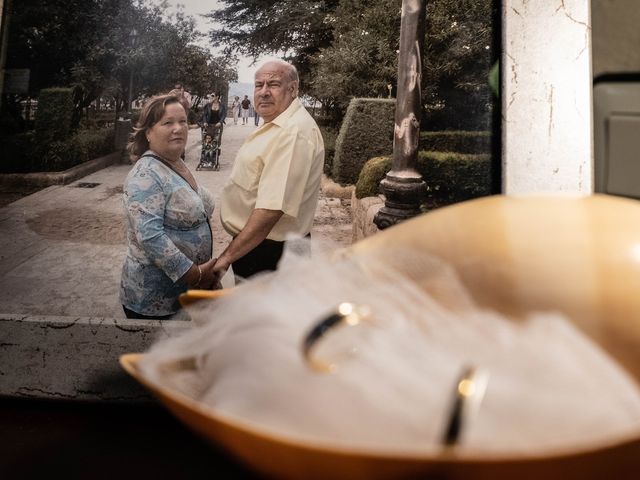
362, 211
74, 358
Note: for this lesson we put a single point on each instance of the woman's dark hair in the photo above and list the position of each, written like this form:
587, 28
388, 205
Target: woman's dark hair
151, 114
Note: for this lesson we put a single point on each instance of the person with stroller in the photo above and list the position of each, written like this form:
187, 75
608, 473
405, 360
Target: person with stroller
214, 114
213, 119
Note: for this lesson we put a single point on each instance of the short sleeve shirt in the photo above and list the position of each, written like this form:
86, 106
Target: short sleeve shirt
277, 168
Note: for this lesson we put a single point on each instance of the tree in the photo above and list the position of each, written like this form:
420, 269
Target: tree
293, 29
348, 48
92, 50
362, 60
459, 52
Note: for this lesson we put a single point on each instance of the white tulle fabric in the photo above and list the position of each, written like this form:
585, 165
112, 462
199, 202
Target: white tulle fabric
549, 388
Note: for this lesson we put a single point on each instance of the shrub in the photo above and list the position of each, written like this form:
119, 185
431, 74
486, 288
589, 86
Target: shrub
325, 121
54, 114
456, 141
81, 147
366, 132
17, 151
135, 116
10, 124
450, 177
372, 173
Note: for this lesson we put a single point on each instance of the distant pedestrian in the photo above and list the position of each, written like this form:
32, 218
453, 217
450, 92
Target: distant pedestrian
246, 105
183, 96
235, 109
169, 237
256, 117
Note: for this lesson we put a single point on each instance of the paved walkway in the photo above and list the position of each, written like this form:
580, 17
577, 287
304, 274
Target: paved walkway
62, 248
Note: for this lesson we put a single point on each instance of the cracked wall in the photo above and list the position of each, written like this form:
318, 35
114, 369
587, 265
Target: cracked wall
547, 141
74, 358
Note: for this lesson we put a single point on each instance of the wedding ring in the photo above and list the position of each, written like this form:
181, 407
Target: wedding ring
469, 392
347, 314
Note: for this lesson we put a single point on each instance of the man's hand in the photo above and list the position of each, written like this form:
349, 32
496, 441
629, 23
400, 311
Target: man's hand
209, 280
260, 223
219, 269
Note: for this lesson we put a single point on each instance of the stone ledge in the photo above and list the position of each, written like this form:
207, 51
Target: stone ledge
47, 179
75, 358
362, 211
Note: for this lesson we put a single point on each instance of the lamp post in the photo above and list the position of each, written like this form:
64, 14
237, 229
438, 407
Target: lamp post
133, 38
403, 186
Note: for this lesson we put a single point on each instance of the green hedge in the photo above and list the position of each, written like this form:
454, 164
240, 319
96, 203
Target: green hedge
17, 149
54, 114
325, 121
456, 141
23, 153
366, 132
81, 147
450, 177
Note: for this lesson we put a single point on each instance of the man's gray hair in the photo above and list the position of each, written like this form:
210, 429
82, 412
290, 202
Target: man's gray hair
292, 71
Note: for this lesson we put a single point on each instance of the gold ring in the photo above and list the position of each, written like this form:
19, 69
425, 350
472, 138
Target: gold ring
348, 314
469, 392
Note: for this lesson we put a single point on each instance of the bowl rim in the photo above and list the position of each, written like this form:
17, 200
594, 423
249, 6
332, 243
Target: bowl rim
445, 455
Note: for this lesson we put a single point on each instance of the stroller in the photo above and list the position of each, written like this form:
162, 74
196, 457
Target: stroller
210, 156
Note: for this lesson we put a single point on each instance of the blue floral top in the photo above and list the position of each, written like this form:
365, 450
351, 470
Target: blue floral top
168, 230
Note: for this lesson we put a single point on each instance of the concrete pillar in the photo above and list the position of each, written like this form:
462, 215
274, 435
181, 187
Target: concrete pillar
547, 97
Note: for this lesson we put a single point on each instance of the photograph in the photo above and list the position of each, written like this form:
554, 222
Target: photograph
346, 239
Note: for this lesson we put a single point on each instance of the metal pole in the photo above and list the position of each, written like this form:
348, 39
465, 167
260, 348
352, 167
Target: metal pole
133, 37
403, 186
5, 19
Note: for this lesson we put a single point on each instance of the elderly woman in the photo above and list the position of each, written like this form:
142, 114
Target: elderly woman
169, 236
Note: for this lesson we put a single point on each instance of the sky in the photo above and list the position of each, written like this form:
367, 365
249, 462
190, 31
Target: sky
197, 7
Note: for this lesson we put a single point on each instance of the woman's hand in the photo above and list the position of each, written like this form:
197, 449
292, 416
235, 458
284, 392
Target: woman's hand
210, 279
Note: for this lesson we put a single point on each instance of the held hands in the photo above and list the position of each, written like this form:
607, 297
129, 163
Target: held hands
207, 277
220, 268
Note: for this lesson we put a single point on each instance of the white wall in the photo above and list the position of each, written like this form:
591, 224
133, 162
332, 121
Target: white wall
546, 95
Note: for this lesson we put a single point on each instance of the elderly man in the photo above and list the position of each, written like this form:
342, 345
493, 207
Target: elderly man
272, 192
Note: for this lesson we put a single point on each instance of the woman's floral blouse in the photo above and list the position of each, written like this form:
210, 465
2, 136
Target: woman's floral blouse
168, 231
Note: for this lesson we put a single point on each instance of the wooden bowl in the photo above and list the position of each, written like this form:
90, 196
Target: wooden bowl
192, 296
580, 256
576, 255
